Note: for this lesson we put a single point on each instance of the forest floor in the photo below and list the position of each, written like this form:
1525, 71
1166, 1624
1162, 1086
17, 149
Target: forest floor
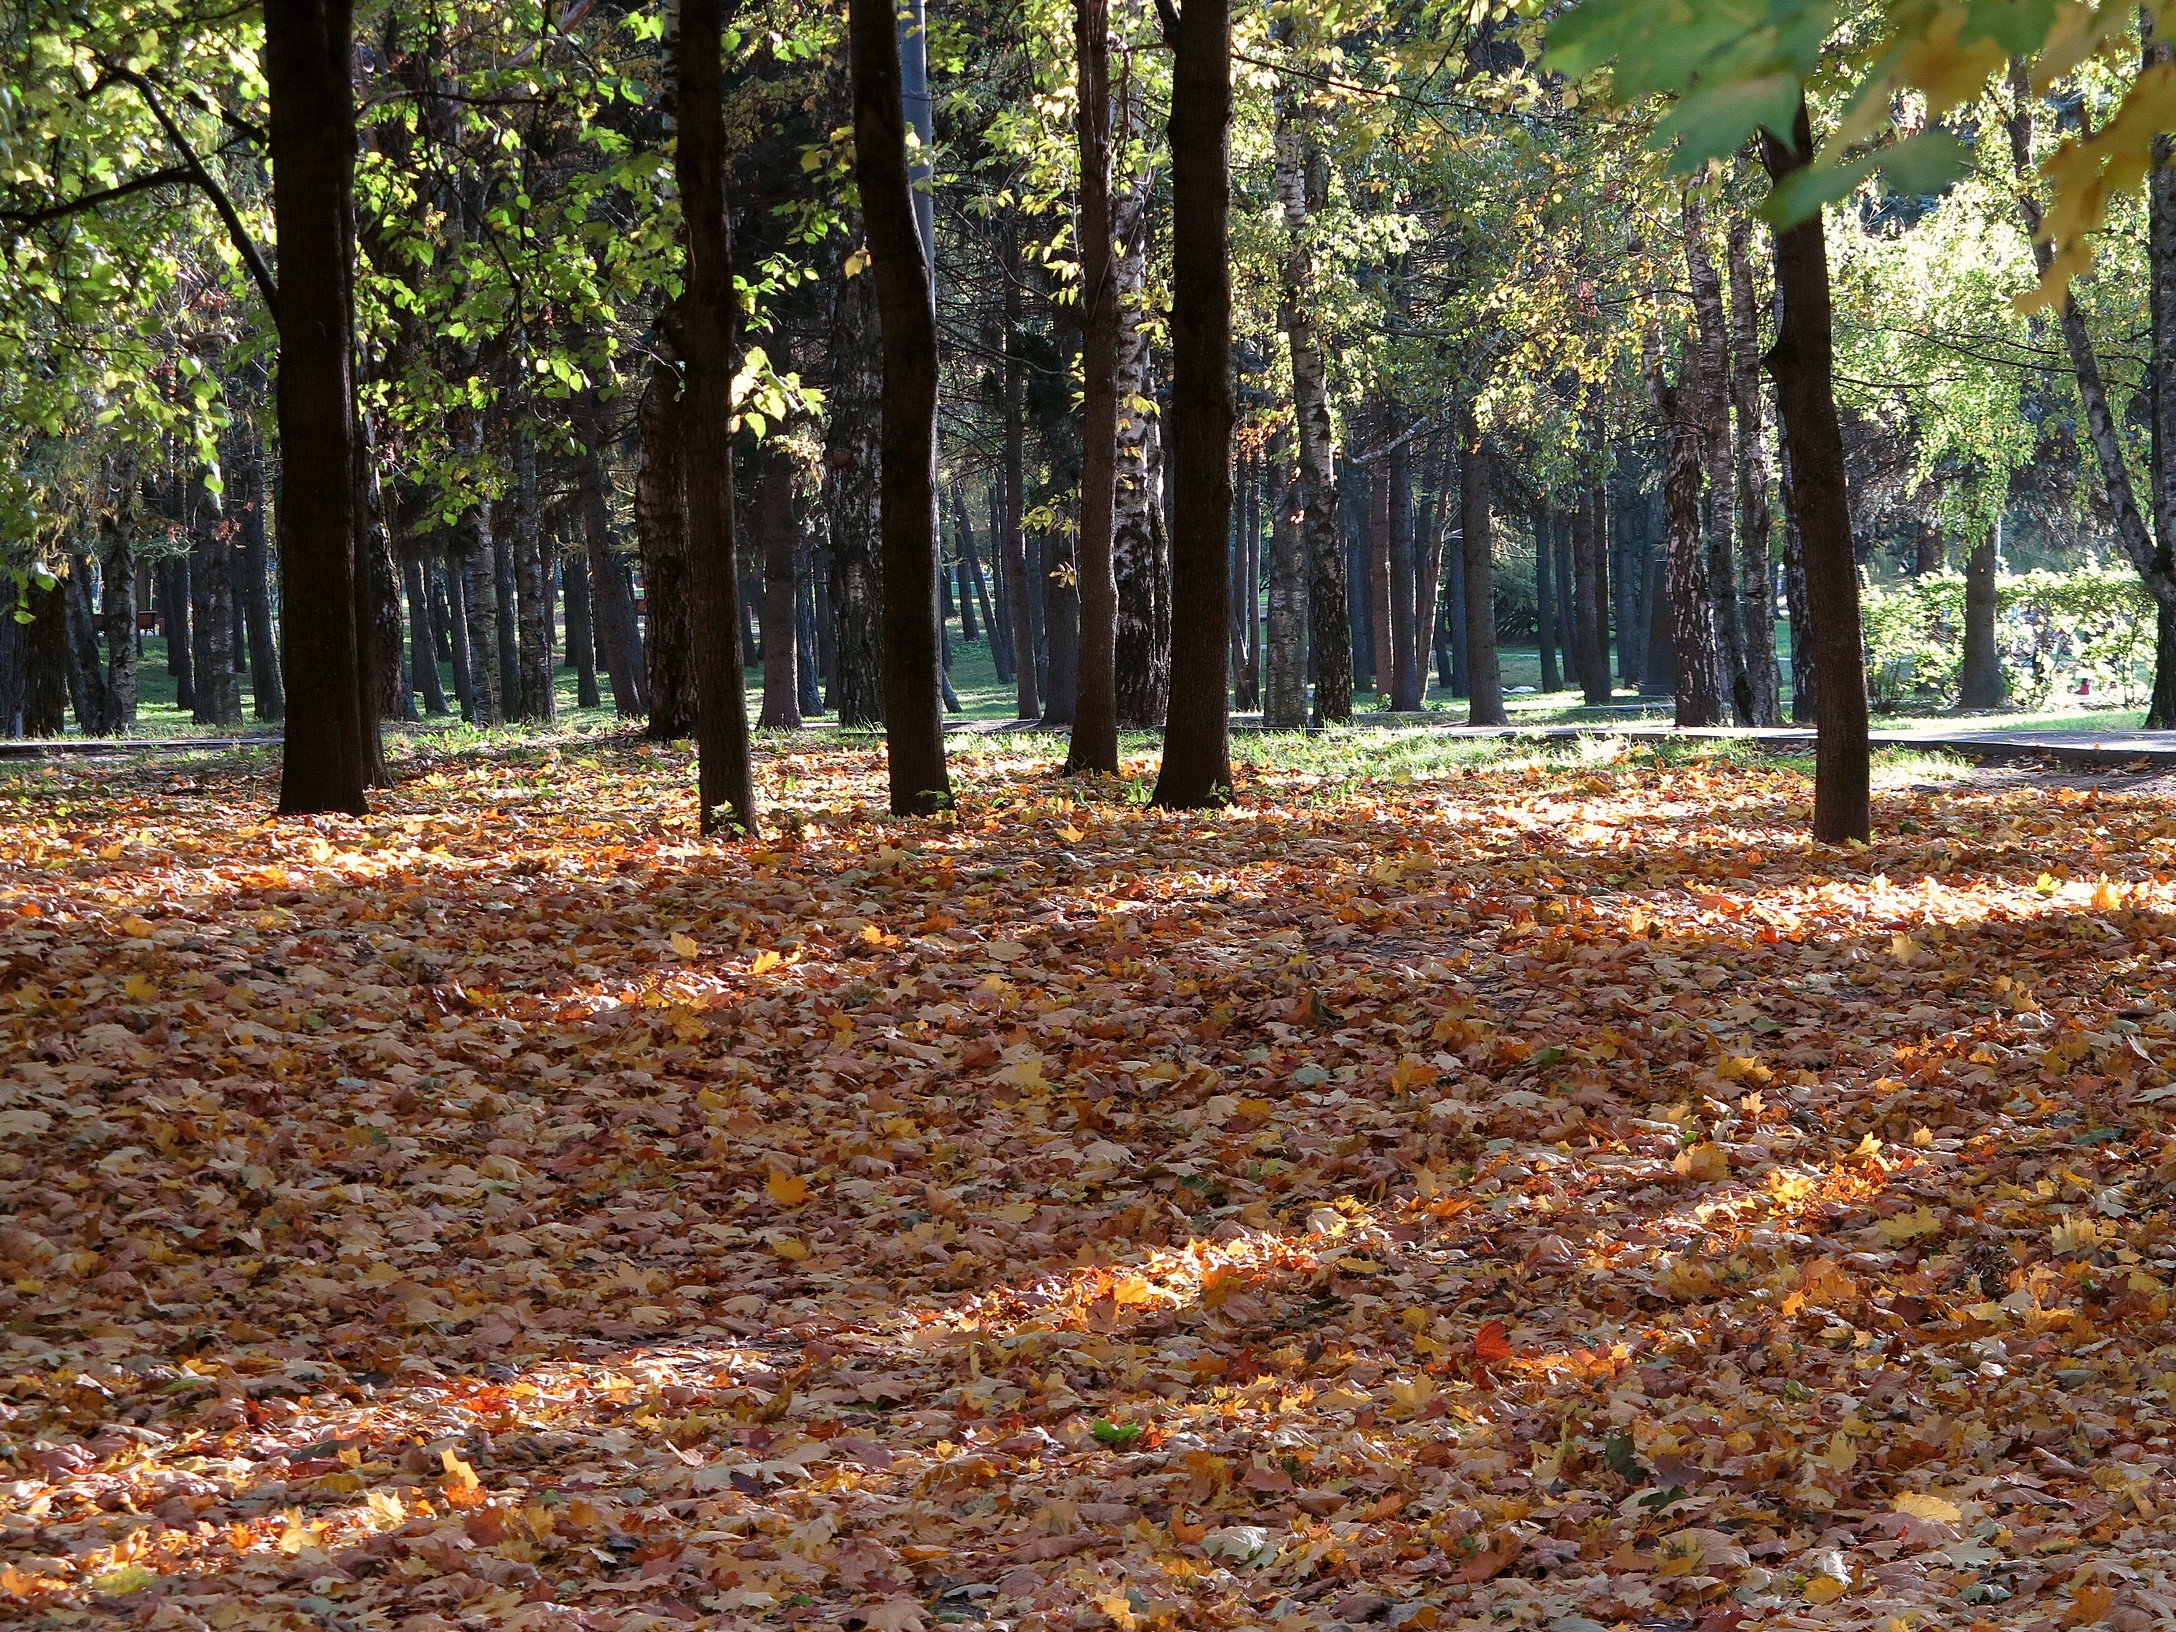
1448, 1189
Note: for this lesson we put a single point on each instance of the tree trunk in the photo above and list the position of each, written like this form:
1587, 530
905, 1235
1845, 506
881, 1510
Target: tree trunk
311, 138
45, 660
1407, 666
422, 649
804, 624
581, 629
12, 677
211, 585
1590, 657
1756, 579
87, 688
781, 613
1298, 190
1802, 364
1696, 665
1456, 679
852, 458
1658, 652
907, 494
268, 690
1094, 744
1567, 598
454, 589
480, 589
1012, 476
726, 784
1980, 685
508, 606
1284, 692
174, 600
1196, 768
1545, 598
661, 537
120, 577
1483, 678
539, 697
1707, 399
976, 584
1140, 544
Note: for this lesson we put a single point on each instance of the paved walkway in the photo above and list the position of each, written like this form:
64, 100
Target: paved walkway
2094, 750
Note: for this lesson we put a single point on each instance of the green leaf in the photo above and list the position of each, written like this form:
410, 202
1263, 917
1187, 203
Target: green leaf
1115, 1433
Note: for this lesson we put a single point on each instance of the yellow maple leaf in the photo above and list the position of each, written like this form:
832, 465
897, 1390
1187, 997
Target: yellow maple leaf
790, 1247
765, 963
1920, 1505
684, 943
139, 990
787, 1189
459, 1474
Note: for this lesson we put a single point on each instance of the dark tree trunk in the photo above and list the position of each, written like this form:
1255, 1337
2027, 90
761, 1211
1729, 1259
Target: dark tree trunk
1756, 583
907, 494
454, 603
12, 677
268, 690
308, 72
1566, 574
1061, 630
1805, 709
1590, 657
45, 661
804, 625
1980, 685
1019, 584
1196, 770
1407, 668
661, 537
726, 780
781, 610
1801, 363
975, 583
1696, 665
87, 688
1457, 681
1299, 188
1483, 677
422, 649
852, 458
390, 695
1706, 398
118, 616
211, 580
1374, 508
1545, 598
507, 604
2161, 389
1284, 691
1094, 744
174, 600
532, 579
1658, 652
434, 584
581, 629
611, 607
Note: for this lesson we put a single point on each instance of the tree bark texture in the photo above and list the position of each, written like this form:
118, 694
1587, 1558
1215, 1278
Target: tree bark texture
1484, 680
1801, 362
1707, 400
1756, 581
781, 614
539, 699
1298, 188
311, 139
1284, 646
1980, 684
907, 492
852, 457
1196, 769
1094, 744
1552, 678
422, 650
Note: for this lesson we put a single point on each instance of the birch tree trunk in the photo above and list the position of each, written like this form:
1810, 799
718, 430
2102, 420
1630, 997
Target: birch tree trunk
1284, 691
1708, 402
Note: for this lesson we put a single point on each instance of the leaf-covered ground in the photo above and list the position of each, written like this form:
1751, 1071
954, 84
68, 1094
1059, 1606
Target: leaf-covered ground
1510, 1196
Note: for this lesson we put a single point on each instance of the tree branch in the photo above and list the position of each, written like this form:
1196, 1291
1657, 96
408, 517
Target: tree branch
244, 245
104, 195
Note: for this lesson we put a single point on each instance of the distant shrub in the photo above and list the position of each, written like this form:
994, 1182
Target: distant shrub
2054, 631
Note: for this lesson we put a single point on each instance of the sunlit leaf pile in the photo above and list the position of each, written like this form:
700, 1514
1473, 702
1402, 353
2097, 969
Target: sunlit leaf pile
1546, 1196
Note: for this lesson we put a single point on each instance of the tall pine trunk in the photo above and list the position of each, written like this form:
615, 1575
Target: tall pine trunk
1284, 646
906, 485
726, 783
1756, 579
268, 688
1140, 543
1330, 639
852, 457
1801, 362
1707, 399
539, 698
661, 538
311, 137
1484, 679
781, 614
1196, 769
1094, 744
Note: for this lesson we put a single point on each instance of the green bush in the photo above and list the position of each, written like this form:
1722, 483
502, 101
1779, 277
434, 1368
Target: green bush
2053, 630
